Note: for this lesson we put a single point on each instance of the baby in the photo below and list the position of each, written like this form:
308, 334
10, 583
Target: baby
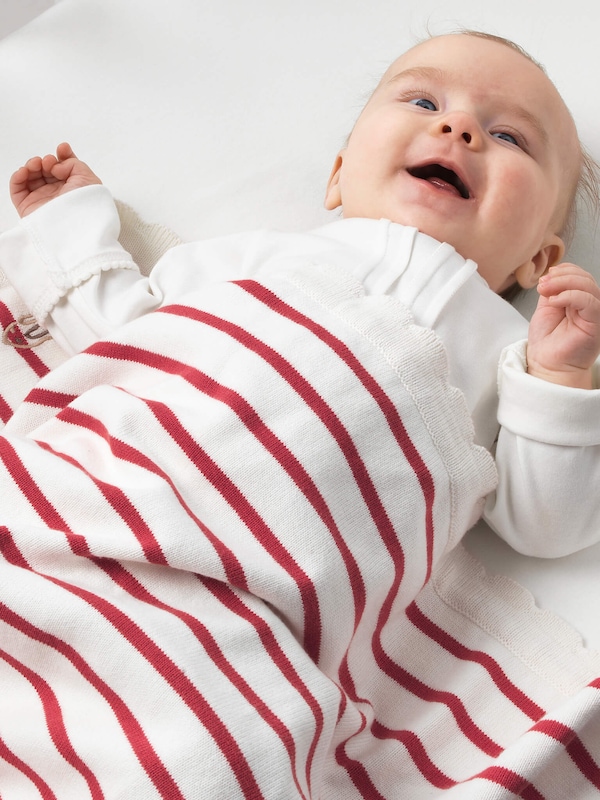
224, 509
466, 140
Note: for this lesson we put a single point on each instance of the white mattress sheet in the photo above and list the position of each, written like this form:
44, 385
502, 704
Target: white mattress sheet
213, 118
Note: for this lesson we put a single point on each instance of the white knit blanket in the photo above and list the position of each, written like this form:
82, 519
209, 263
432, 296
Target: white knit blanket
229, 570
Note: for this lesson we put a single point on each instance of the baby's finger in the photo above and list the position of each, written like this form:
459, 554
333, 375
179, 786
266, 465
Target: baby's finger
34, 167
18, 185
555, 283
27, 177
64, 151
48, 163
19, 178
566, 268
585, 304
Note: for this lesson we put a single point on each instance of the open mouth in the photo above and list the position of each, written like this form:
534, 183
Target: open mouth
442, 177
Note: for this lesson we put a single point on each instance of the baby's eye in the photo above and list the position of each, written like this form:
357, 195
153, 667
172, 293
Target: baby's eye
507, 137
423, 102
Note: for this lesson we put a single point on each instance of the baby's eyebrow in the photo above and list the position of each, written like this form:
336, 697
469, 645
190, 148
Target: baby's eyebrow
529, 118
431, 73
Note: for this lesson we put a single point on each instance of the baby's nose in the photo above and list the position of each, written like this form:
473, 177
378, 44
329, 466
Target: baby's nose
465, 134
459, 125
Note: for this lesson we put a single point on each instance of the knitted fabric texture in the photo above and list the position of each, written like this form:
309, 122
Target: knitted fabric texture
263, 594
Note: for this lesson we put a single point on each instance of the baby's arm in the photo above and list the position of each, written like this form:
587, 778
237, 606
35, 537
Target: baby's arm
65, 259
42, 179
564, 334
548, 449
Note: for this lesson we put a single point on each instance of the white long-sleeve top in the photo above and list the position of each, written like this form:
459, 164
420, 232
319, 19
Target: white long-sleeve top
66, 262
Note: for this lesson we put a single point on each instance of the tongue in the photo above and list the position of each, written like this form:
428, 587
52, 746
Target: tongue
443, 185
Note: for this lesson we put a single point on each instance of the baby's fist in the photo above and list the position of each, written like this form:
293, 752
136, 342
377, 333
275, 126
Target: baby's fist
564, 333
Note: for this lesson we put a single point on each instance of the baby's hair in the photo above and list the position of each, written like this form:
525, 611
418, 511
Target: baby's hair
587, 192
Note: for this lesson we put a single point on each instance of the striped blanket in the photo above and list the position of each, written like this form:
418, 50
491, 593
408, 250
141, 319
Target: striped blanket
230, 569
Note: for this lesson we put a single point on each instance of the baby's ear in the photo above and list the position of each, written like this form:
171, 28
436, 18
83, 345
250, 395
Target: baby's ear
551, 253
333, 194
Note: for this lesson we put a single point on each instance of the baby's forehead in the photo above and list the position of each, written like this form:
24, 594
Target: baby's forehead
453, 54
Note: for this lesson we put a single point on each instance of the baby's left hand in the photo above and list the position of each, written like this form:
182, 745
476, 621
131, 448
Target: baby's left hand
42, 179
564, 332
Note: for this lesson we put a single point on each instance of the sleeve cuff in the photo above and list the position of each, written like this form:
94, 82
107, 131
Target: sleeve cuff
543, 411
62, 244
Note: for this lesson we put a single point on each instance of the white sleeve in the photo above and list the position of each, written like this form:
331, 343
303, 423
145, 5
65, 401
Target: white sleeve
67, 264
548, 458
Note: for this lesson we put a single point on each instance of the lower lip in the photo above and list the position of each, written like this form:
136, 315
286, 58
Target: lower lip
445, 187
440, 186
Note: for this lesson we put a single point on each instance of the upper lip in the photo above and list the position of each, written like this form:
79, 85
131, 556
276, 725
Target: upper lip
445, 171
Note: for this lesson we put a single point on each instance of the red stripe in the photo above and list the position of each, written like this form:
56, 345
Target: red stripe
48, 398
418, 754
33, 361
574, 747
356, 771
55, 723
431, 695
41, 785
125, 452
37, 499
458, 650
424, 692
501, 776
6, 411
498, 775
124, 508
509, 780
359, 777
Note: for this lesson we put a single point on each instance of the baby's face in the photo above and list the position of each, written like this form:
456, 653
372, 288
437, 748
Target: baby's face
468, 141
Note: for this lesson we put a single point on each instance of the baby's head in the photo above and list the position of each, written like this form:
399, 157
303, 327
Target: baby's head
467, 139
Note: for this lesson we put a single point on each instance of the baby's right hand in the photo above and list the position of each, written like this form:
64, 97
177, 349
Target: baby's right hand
42, 179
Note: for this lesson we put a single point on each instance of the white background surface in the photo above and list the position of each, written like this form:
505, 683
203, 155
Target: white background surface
15, 13
212, 117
